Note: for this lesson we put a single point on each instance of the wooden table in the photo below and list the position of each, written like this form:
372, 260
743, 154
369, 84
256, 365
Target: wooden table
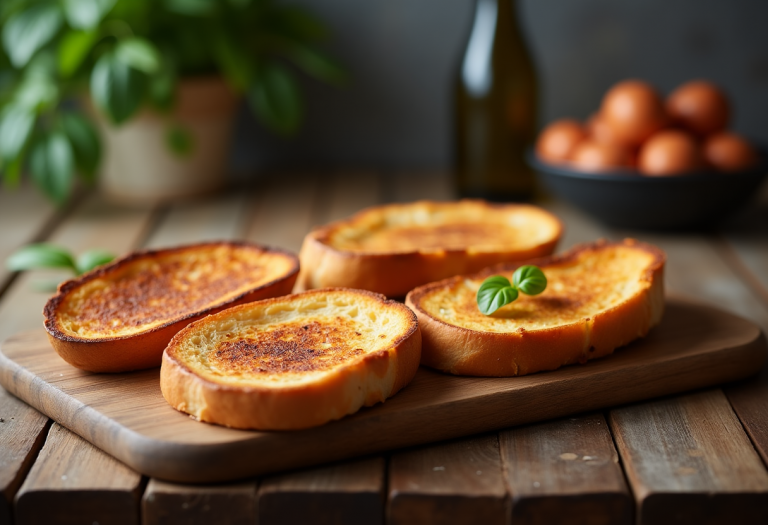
693, 458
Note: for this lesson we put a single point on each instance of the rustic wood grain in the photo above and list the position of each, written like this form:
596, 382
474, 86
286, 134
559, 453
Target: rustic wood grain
694, 346
351, 492
92, 225
283, 212
455, 482
221, 217
407, 187
744, 248
347, 193
347, 492
172, 504
565, 472
22, 433
26, 217
689, 461
74, 482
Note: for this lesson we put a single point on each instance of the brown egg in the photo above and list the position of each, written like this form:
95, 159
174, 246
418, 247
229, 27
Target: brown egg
593, 156
634, 111
729, 152
670, 152
700, 107
600, 131
558, 140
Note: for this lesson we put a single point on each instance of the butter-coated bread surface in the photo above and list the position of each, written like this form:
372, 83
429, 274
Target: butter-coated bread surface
292, 362
120, 316
393, 248
599, 297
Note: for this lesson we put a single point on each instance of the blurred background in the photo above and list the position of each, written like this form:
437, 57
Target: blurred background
396, 112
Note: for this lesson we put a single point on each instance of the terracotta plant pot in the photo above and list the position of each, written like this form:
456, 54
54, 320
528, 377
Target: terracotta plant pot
139, 167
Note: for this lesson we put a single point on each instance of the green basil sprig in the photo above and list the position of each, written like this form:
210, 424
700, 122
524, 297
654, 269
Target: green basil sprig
42, 255
496, 291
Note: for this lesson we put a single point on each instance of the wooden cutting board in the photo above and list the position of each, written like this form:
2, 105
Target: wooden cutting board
125, 414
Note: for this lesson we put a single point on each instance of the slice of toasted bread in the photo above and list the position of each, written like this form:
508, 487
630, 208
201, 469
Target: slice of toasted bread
292, 362
599, 297
120, 316
391, 249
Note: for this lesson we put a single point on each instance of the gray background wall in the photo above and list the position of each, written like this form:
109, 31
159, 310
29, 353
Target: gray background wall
402, 54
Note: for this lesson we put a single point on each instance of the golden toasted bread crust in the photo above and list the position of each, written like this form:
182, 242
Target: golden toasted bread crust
494, 352
398, 259
264, 374
107, 350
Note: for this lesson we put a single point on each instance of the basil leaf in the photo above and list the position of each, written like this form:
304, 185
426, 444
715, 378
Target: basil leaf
276, 99
52, 166
530, 280
91, 259
116, 87
27, 31
495, 292
40, 255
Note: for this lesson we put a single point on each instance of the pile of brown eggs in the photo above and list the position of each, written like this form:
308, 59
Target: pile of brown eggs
635, 129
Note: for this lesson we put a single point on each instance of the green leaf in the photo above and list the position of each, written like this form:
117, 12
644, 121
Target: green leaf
38, 90
191, 7
12, 172
34, 256
139, 54
91, 259
86, 14
316, 63
495, 292
16, 127
179, 140
530, 280
234, 63
298, 23
86, 144
276, 99
116, 87
27, 31
52, 165
73, 49
162, 86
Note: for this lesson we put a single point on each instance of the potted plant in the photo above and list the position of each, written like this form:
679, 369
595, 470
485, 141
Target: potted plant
154, 81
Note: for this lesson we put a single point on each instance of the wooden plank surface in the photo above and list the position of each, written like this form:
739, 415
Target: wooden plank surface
694, 346
74, 482
26, 217
173, 504
346, 492
565, 472
220, 217
22, 433
283, 212
689, 461
450, 483
350, 492
91, 225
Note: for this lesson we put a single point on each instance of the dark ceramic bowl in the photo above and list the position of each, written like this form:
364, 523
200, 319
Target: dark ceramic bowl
630, 200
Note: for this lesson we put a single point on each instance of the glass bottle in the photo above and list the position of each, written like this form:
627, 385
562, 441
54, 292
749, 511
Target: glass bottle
496, 107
